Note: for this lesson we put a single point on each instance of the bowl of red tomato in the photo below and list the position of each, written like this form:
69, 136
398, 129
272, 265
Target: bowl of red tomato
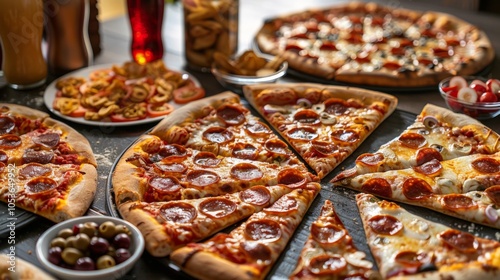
478, 97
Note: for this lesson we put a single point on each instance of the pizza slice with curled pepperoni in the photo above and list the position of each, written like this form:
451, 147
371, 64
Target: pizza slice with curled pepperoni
171, 225
436, 134
467, 187
329, 252
406, 246
250, 250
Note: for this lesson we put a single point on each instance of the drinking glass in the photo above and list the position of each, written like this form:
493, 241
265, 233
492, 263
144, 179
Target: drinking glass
146, 20
21, 27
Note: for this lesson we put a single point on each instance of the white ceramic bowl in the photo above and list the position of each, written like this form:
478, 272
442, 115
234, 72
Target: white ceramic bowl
478, 110
136, 249
236, 82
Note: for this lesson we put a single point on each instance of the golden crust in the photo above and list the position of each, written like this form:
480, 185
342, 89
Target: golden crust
23, 270
23, 111
193, 262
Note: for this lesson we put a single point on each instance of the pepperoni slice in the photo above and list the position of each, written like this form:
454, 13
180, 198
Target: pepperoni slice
276, 146
377, 186
385, 224
328, 234
412, 140
458, 201
172, 152
263, 230
246, 172
173, 167
345, 135
370, 159
244, 151
206, 159
231, 115
10, 141
257, 128
257, 251
291, 177
432, 167
7, 124
3, 157
256, 195
303, 133
178, 212
307, 116
163, 185
40, 186
284, 205
38, 156
427, 154
34, 170
218, 135
327, 265
462, 241
493, 193
217, 207
411, 258
323, 147
486, 165
50, 139
336, 106
202, 178
416, 189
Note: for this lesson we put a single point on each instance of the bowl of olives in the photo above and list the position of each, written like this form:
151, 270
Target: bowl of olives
90, 247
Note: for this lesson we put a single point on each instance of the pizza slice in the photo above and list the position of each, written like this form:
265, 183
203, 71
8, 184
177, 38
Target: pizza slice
466, 187
329, 252
437, 133
171, 225
406, 246
324, 124
155, 170
250, 250
56, 192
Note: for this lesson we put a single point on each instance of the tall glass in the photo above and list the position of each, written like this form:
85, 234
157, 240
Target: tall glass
209, 26
146, 19
21, 26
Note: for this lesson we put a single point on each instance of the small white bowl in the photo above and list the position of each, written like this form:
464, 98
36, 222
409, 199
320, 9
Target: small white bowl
136, 249
236, 82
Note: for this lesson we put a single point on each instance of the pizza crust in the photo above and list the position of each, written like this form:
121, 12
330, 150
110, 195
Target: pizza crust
193, 261
23, 270
23, 111
448, 116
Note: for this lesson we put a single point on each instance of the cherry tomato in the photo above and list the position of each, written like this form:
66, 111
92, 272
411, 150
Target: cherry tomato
493, 85
450, 89
187, 94
479, 86
159, 110
121, 118
78, 113
488, 96
458, 81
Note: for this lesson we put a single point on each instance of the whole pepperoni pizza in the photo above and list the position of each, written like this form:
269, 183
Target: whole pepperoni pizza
373, 45
46, 167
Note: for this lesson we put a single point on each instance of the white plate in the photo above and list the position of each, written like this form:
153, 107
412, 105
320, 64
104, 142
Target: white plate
50, 95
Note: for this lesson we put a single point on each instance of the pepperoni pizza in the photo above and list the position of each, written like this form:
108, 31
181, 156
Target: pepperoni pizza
324, 124
250, 250
209, 148
370, 44
406, 246
329, 252
46, 167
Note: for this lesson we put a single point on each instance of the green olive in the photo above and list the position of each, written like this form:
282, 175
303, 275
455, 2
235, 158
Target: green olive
70, 242
122, 229
107, 229
65, 233
89, 228
105, 261
111, 251
82, 242
71, 255
58, 242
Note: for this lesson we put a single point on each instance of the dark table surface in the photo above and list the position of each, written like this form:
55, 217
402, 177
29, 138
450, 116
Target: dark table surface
109, 142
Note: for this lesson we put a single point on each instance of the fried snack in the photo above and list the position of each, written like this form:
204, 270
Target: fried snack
247, 64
